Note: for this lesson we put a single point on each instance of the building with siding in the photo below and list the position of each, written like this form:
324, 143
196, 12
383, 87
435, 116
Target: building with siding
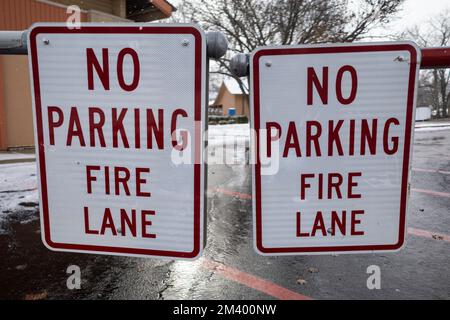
231, 96
16, 123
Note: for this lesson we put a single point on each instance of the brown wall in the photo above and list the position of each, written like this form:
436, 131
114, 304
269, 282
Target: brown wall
3, 138
16, 122
18, 115
21, 14
100, 5
227, 100
16, 126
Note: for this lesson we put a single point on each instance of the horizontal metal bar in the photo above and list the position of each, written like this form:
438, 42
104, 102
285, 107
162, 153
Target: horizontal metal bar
13, 42
434, 58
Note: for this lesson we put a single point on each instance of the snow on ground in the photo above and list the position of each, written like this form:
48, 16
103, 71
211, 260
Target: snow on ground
228, 144
16, 155
432, 126
18, 193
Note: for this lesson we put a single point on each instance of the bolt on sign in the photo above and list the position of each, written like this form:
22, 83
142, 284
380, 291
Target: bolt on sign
334, 126
118, 114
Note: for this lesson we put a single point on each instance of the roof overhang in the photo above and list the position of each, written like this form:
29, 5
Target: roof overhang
149, 10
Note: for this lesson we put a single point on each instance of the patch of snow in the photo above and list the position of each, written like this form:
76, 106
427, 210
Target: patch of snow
18, 192
431, 124
16, 155
234, 87
228, 144
432, 128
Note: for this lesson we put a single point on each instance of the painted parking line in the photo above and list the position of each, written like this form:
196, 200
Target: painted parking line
239, 195
252, 281
413, 231
431, 171
429, 234
432, 193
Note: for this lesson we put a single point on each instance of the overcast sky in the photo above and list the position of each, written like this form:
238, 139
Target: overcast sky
414, 12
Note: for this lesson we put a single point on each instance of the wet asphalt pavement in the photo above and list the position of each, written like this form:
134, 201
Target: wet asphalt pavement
230, 269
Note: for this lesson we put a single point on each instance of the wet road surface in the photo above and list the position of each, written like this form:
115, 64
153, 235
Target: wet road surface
230, 269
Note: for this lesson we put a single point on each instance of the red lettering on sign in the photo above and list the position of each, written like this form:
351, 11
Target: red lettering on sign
183, 133
52, 123
107, 184
351, 184
136, 69
351, 138
96, 126
87, 229
369, 136
354, 85
118, 179
319, 224
312, 80
102, 71
137, 129
118, 129
140, 181
334, 182
394, 140
90, 178
145, 223
108, 223
355, 222
339, 222
330, 224
295, 144
303, 184
334, 137
336, 185
270, 137
313, 138
126, 221
155, 128
74, 128
299, 227
321, 88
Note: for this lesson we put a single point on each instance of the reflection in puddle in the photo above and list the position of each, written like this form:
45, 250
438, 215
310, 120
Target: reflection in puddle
182, 280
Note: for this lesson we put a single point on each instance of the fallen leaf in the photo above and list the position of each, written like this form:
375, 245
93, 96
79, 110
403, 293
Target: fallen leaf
313, 270
437, 237
36, 296
21, 267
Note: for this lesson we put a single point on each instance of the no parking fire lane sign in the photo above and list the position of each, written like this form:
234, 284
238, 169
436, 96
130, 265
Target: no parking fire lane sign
334, 125
119, 113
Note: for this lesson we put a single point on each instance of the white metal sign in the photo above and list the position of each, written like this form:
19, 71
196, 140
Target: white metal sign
333, 127
119, 113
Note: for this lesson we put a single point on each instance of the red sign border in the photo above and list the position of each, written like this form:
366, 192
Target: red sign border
406, 152
197, 117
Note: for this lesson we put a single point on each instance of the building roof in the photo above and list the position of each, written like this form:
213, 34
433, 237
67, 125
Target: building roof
149, 10
233, 86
